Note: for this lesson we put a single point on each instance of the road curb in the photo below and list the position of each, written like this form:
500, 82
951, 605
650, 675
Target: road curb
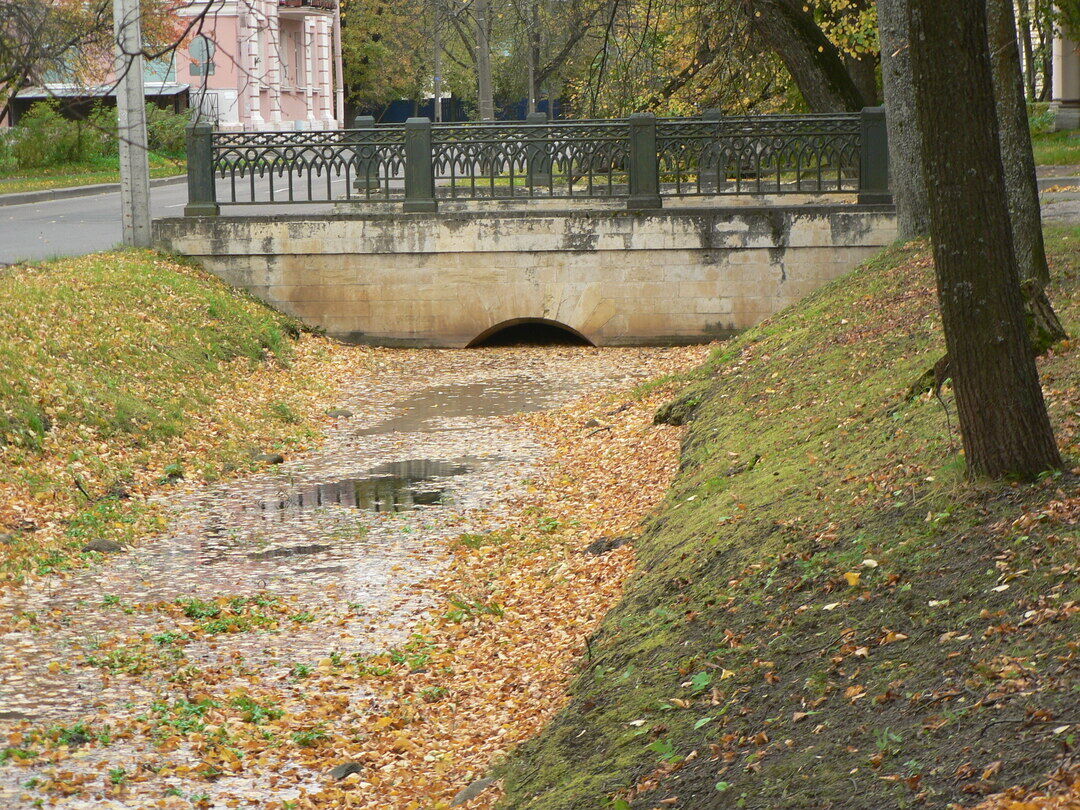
48, 194
1064, 180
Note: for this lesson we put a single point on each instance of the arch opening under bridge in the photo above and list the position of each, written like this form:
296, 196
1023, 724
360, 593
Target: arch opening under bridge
530, 331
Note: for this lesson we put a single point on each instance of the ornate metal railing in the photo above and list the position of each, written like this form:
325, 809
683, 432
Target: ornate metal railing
575, 159
817, 154
314, 166
642, 160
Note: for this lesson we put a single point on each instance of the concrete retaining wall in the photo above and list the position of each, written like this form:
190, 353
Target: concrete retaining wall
616, 277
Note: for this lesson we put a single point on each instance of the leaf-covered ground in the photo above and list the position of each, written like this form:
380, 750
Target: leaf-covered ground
123, 371
218, 659
825, 613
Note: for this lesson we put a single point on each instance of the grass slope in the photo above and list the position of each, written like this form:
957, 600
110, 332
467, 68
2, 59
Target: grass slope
825, 613
1056, 148
123, 371
81, 174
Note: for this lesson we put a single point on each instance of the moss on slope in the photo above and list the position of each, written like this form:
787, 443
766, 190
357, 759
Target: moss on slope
825, 613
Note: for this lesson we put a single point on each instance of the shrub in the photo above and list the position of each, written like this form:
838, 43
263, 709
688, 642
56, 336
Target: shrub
1040, 118
165, 130
44, 137
7, 141
97, 134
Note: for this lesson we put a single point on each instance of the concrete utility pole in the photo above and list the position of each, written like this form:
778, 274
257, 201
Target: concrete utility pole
131, 117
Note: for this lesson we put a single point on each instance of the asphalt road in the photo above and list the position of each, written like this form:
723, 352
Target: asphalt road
78, 225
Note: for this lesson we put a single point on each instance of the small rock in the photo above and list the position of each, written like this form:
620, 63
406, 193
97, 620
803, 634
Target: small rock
606, 544
104, 546
471, 792
339, 413
270, 458
345, 769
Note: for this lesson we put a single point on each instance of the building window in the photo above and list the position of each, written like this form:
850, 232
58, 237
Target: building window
201, 50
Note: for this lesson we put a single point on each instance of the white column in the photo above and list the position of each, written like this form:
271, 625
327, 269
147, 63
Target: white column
1067, 81
309, 70
326, 95
339, 84
249, 69
273, 59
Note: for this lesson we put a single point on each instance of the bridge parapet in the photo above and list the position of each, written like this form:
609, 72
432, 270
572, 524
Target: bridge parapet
640, 163
615, 277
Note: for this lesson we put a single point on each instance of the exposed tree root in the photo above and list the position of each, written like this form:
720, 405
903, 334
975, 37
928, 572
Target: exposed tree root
1044, 330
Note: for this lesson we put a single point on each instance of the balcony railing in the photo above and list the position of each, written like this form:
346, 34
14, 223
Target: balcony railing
328, 5
640, 160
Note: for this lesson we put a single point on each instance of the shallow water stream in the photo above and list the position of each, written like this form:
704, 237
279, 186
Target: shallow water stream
343, 534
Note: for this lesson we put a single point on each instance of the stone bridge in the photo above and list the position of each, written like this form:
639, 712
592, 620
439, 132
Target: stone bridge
639, 231
613, 277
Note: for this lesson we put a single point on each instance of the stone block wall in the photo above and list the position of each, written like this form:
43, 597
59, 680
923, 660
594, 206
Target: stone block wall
616, 277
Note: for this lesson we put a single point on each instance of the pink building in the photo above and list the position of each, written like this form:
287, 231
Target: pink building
265, 64
245, 64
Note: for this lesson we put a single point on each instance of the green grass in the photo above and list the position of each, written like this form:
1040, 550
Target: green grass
121, 343
81, 174
1057, 148
827, 626
125, 370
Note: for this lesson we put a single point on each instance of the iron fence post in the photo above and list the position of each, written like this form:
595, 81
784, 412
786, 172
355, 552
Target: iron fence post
873, 158
419, 167
708, 163
202, 200
539, 152
367, 166
644, 166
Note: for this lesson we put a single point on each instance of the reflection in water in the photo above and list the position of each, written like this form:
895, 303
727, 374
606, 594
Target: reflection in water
476, 400
400, 486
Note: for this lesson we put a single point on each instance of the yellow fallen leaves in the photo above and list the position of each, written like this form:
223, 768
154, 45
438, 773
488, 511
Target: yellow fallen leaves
1064, 794
153, 368
510, 672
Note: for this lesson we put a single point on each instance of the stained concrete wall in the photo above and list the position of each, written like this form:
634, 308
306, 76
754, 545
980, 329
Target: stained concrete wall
616, 277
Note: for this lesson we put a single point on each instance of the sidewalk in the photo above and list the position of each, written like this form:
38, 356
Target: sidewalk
48, 194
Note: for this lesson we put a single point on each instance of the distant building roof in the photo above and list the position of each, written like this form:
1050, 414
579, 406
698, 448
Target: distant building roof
102, 91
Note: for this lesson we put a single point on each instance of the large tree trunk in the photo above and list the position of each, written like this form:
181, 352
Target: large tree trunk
905, 157
1003, 419
1016, 153
863, 72
813, 61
